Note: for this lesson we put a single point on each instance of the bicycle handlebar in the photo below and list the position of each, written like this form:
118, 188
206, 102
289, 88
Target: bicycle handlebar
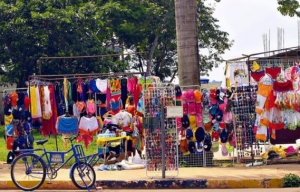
71, 138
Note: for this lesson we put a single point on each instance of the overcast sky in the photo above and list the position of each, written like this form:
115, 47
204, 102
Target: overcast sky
246, 21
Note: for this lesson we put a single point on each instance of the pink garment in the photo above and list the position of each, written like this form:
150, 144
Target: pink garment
131, 84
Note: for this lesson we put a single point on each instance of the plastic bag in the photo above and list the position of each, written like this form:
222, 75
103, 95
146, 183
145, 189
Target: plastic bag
137, 159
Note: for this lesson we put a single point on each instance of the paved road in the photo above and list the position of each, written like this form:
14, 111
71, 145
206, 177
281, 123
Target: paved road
184, 190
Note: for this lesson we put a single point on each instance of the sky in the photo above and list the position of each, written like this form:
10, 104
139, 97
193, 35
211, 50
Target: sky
246, 21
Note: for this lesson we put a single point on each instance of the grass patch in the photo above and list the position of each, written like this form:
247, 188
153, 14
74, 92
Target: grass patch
50, 145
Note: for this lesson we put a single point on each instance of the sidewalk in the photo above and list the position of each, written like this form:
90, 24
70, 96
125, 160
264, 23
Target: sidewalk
267, 176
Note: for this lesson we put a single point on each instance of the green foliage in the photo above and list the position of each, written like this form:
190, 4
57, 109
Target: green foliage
289, 7
291, 180
33, 29
50, 145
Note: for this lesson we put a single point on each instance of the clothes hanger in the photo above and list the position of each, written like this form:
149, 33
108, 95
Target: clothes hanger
67, 114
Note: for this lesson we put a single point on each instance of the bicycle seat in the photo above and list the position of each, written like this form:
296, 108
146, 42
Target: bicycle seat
41, 142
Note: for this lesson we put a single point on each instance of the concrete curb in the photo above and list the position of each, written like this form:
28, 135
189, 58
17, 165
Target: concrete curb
163, 184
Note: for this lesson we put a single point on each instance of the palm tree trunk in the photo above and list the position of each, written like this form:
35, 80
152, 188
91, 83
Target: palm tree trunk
187, 42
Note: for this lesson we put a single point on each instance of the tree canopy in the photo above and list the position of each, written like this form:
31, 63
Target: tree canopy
289, 7
30, 29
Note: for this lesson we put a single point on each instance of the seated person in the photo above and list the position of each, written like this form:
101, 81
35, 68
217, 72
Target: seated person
118, 158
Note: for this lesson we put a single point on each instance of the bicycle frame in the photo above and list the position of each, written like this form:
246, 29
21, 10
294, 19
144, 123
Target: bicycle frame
77, 153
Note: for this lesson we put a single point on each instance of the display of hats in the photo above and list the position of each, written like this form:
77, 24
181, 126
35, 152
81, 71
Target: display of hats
207, 143
219, 116
199, 148
215, 146
229, 147
198, 96
192, 120
185, 121
215, 135
207, 126
190, 96
189, 134
200, 134
224, 149
222, 125
223, 136
215, 126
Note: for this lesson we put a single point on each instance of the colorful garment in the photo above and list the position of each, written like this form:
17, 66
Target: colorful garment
47, 104
88, 126
90, 107
67, 125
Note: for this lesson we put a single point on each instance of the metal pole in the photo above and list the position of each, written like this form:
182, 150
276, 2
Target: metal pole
163, 147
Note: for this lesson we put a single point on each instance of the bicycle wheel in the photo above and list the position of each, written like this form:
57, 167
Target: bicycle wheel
83, 176
28, 172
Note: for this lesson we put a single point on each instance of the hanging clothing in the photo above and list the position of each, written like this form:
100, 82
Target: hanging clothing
66, 89
35, 100
102, 85
14, 99
115, 102
49, 125
67, 125
108, 95
47, 104
237, 73
90, 107
124, 92
89, 125
76, 111
124, 119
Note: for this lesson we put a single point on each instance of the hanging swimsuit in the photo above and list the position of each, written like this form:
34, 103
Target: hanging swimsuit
102, 85
273, 72
88, 126
67, 125
257, 75
283, 86
90, 107
80, 106
79, 87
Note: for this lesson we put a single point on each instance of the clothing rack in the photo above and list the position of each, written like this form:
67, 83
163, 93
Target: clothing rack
86, 75
5, 91
48, 79
275, 62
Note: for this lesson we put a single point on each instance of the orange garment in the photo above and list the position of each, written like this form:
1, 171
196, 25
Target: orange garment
14, 99
80, 105
130, 109
264, 90
262, 95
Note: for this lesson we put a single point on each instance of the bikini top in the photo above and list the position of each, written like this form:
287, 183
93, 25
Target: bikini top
90, 107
